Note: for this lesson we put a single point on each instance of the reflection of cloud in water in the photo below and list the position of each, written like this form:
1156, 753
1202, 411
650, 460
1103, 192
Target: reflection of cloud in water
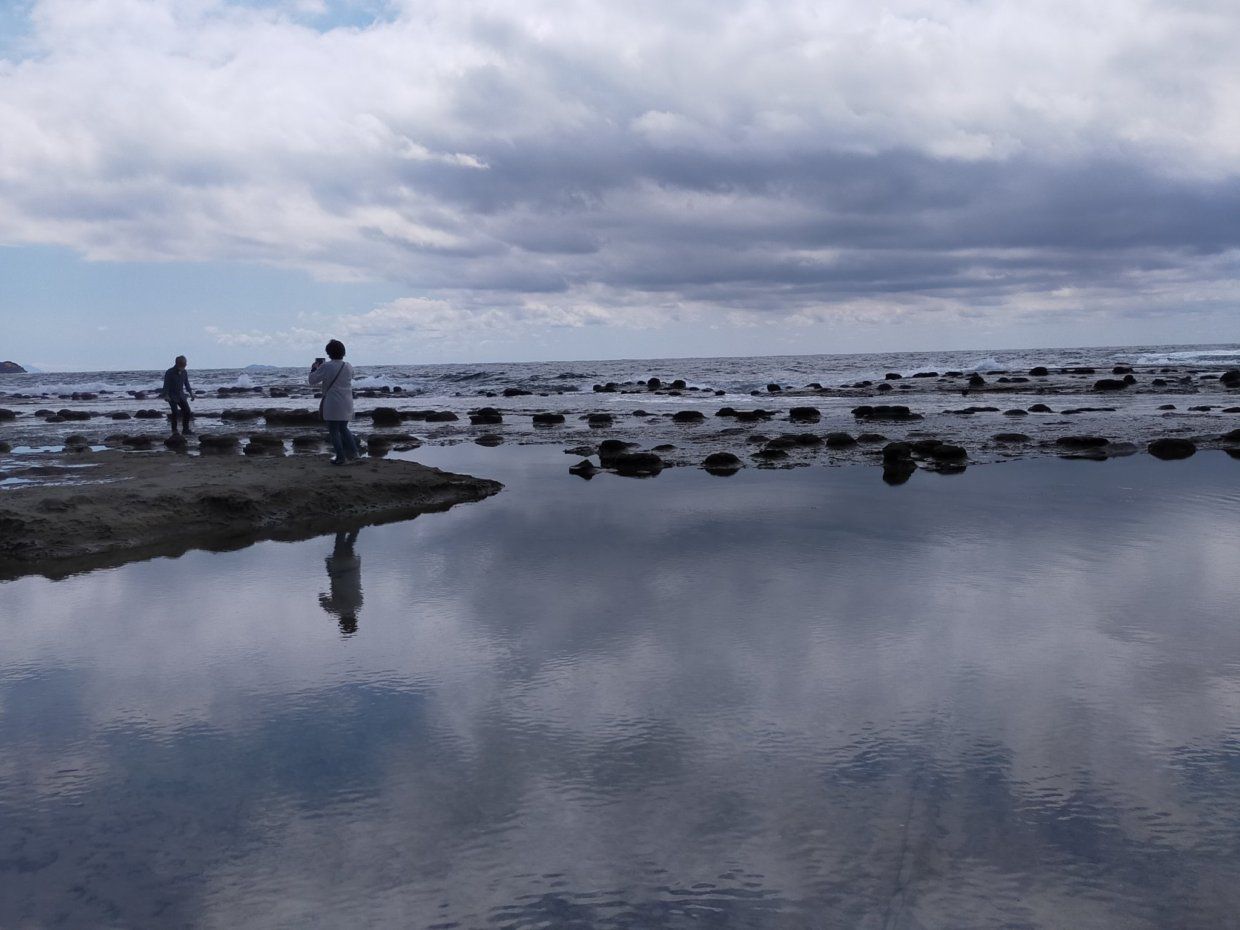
639, 687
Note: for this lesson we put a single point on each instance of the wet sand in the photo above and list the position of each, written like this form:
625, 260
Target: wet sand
113, 507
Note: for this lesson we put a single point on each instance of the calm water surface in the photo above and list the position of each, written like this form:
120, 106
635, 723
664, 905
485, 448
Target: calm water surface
784, 699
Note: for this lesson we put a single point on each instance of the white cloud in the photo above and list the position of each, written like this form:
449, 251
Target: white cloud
533, 148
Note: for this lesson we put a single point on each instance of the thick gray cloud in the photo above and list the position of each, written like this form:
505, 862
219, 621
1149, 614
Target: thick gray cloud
574, 160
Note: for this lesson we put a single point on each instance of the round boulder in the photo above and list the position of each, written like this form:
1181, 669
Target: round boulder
638, 464
1170, 448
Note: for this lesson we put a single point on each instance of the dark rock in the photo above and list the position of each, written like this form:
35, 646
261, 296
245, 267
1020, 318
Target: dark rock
1109, 384
489, 439
516, 392
1166, 406
1039, 371
598, 420
609, 450
441, 416
583, 469
1010, 437
1171, 448
1016, 412
679, 384
926, 374
1040, 408
264, 445
1081, 371
138, 443
217, 444
721, 463
119, 415
11, 368
725, 412
770, 454
805, 414
1122, 370
240, 413
485, 416
976, 380
1231, 438
751, 416
1230, 378
5, 448
688, 416
871, 437
898, 471
274, 416
783, 442
773, 388
1129, 380
548, 419
638, 464
897, 451
1201, 408
77, 415
839, 440
6, 414
176, 442
1159, 382
893, 376
1081, 442
385, 416
884, 387
946, 452
884, 412
378, 446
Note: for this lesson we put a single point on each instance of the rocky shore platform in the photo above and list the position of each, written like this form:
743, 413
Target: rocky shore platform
110, 508
931, 419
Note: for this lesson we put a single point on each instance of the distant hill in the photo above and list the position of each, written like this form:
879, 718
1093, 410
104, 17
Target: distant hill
260, 367
11, 368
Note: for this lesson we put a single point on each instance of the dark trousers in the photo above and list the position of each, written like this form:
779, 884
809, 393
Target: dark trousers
181, 404
342, 440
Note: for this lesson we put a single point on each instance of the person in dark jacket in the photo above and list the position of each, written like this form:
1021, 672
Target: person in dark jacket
178, 393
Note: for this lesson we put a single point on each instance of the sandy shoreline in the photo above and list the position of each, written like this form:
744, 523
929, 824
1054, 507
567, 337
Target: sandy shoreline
124, 507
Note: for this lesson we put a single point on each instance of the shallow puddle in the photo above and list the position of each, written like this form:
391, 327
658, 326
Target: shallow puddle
781, 699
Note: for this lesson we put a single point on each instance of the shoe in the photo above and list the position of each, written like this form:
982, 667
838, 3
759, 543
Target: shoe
339, 462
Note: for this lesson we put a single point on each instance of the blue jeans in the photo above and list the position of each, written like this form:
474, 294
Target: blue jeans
342, 440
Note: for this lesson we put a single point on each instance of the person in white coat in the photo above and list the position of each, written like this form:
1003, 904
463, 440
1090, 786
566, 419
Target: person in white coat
336, 375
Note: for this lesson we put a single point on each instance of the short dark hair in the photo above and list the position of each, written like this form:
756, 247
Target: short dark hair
335, 349
179, 359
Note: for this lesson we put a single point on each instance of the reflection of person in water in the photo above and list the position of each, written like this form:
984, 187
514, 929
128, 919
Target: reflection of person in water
344, 569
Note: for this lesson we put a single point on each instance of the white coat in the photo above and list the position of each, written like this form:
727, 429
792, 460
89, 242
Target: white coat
338, 401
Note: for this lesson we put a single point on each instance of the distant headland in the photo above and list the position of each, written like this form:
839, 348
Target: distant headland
11, 368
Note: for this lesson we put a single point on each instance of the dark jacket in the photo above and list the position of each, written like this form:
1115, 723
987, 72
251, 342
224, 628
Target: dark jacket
176, 384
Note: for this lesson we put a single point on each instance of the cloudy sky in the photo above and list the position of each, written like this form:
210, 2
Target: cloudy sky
528, 179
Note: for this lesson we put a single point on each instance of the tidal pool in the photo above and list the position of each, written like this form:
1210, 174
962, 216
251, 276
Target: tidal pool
1009, 698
